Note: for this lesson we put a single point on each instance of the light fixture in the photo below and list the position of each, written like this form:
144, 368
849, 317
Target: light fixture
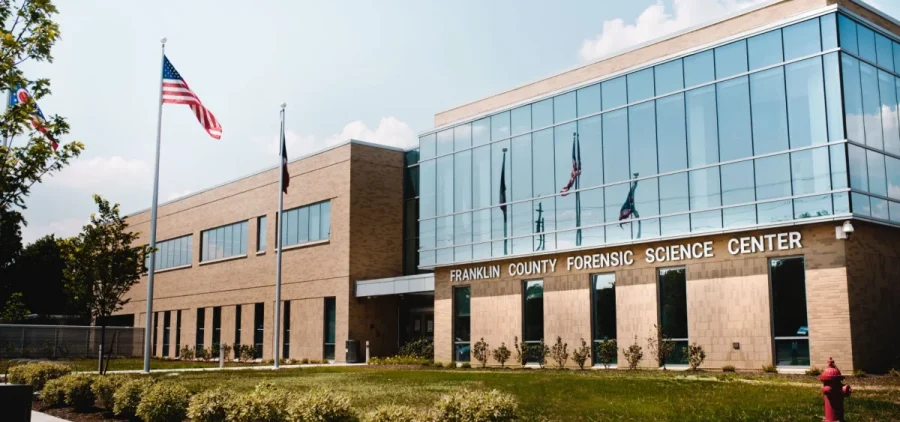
844, 231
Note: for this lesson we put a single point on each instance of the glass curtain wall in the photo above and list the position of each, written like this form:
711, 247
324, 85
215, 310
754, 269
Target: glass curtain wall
745, 134
871, 80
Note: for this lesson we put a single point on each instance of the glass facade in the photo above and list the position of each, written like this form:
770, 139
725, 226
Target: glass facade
223, 242
308, 223
790, 328
870, 64
680, 138
462, 317
173, 253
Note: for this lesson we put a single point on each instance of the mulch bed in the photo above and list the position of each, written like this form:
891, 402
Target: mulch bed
68, 413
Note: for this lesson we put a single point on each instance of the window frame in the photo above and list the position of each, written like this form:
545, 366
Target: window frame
772, 311
659, 305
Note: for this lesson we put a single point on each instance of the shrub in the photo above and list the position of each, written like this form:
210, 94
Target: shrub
540, 352
164, 402
475, 406
859, 373
894, 372
814, 371
728, 368
37, 374
660, 345
480, 352
695, 355
186, 353
466, 365
128, 396
581, 354
210, 405
394, 413
264, 404
54, 392
450, 364
501, 354
770, 369
321, 405
560, 353
248, 352
104, 387
422, 349
633, 354
396, 360
607, 352
78, 391
523, 351
304, 361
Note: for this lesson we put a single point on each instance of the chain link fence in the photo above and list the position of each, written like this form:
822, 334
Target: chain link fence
68, 341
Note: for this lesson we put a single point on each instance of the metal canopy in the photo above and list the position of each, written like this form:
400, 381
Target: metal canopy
419, 283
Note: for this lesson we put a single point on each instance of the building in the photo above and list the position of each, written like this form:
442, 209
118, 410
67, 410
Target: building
704, 183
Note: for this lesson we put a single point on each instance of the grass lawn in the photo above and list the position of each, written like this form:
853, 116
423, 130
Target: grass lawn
581, 396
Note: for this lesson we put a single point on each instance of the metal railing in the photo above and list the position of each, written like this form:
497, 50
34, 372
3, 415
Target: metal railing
68, 341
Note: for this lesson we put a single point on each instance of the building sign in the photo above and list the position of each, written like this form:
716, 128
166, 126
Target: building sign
661, 254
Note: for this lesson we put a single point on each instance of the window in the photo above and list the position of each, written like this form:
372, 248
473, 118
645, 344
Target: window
853, 103
669, 77
642, 138
673, 311
444, 142
802, 39
500, 126
806, 103
201, 321
261, 234
765, 49
259, 313
789, 320
615, 150
330, 326
702, 128
310, 223
173, 253
167, 325
533, 314
286, 332
670, 133
640, 85
588, 99
427, 146
217, 326
237, 327
603, 310
444, 187
731, 59
521, 120
738, 188
767, 101
868, 77
462, 316
224, 242
178, 334
733, 100
699, 69
564, 107
155, 330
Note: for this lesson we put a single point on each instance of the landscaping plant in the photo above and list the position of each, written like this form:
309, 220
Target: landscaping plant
264, 404
770, 369
541, 352
480, 352
633, 354
581, 354
607, 352
421, 349
104, 387
501, 354
728, 368
54, 392
37, 374
77, 388
814, 371
695, 355
128, 396
186, 353
560, 353
660, 345
394, 413
164, 402
523, 351
475, 406
320, 405
210, 405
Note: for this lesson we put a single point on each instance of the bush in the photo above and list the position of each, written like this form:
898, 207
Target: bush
475, 406
660, 345
523, 351
695, 355
321, 405
501, 354
540, 352
770, 369
581, 354
450, 364
210, 405
164, 402
728, 368
127, 398
560, 353
859, 373
894, 372
633, 354
37, 374
466, 365
186, 353
54, 392
304, 361
264, 404
422, 349
814, 371
480, 352
607, 352
78, 391
248, 353
396, 360
394, 413
104, 387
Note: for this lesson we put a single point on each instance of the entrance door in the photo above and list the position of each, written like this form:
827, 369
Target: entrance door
419, 325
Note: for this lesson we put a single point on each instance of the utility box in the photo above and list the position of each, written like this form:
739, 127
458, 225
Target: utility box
352, 351
15, 400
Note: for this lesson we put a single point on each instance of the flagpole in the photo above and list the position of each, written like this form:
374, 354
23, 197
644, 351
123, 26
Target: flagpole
505, 200
578, 192
152, 267
275, 354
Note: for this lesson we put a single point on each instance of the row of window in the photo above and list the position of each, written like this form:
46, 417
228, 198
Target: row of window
872, 46
304, 224
790, 329
258, 329
871, 102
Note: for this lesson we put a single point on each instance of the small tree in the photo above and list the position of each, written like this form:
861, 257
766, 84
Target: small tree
541, 351
102, 264
634, 354
480, 352
501, 354
695, 355
560, 353
14, 310
660, 345
607, 352
522, 351
580, 355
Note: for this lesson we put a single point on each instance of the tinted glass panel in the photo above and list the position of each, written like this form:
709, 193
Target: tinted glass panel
801, 39
769, 111
564, 107
699, 68
427, 146
481, 132
500, 126
806, 103
615, 146
847, 31
833, 97
765, 49
884, 49
521, 167
590, 138
731, 59
702, 130
829, 31
445, 142
462, 297
789, 311
673, 308
533, 310
858, 174
481, 177
588, 100
669, 77
642, 138
810, 171
462, 183
773, 177
462, 136
640, 85
877, 178
871, 105
521, 120
889, 120
734, 118
892, 165
670, 133
542, 114
444, 187
614, 93
866, 40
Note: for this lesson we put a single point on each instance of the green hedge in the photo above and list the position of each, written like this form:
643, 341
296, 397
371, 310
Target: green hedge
37, 374
164, 402
127, 398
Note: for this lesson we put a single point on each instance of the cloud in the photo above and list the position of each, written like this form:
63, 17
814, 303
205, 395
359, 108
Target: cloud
102, 172
66, 227
390, 132
654, 22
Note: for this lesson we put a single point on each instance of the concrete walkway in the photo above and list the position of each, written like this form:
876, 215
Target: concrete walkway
43, 417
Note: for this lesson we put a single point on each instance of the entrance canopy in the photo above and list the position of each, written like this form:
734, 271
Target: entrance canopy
419, 283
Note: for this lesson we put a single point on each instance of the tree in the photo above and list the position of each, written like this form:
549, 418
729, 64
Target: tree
38, 274
14, 309
101, 263
660, 345
10, 249
28, 34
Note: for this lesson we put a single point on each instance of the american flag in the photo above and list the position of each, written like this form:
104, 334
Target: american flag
177, 91
576, 165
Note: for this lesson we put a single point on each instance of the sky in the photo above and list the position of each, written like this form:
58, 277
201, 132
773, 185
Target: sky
374, 71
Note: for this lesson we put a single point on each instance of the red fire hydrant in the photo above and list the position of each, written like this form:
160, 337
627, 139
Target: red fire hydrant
834, 391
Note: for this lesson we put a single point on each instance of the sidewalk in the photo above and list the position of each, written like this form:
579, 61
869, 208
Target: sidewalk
43, 417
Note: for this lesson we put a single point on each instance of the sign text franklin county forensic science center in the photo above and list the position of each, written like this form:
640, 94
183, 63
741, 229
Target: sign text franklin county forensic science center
671, 253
